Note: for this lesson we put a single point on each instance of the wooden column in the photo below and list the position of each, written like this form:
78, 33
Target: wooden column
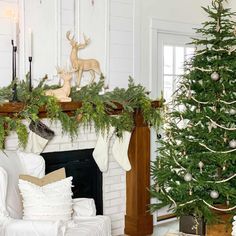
138, 220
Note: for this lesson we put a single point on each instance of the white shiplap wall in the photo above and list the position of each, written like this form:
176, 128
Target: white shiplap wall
5, 40
67, 22
112, 45
121, 42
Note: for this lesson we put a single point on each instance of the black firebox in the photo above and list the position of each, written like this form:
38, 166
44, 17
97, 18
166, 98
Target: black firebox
87, 178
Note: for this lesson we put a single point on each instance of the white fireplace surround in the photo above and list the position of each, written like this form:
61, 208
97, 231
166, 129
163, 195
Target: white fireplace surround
114, 180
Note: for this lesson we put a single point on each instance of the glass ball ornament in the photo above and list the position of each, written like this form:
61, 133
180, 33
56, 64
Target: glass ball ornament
215, 76
214, 194
232, 143
188, 177
232, 111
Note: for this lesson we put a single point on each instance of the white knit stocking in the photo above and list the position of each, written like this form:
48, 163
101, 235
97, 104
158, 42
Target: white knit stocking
36, 143
100, 153
120, 150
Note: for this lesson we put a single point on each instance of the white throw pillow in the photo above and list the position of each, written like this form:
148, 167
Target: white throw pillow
33, 164
10, 162
3, 193
49, 202
83, 207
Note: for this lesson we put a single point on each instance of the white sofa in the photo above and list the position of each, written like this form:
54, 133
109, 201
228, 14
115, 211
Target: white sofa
84, 221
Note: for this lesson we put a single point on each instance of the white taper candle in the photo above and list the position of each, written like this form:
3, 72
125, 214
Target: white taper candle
30, 42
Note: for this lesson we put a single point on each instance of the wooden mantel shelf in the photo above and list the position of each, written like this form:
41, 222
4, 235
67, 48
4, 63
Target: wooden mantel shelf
138, 220
15, 107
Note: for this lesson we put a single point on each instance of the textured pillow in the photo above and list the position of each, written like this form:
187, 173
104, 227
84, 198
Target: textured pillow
47, 179
49, 202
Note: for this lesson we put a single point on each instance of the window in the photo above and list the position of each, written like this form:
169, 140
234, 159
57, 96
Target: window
174, 57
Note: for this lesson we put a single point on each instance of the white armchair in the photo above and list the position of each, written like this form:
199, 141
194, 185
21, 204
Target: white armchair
84, 221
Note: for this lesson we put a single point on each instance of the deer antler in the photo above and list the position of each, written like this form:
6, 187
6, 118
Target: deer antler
72, 39
86, 42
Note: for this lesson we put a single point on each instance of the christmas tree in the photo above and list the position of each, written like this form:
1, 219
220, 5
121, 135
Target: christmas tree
195, 169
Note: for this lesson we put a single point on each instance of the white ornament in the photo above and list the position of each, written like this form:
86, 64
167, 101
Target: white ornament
188, 177
214, 194
215, 76
157, 187
232, 143
232, 111
201, 165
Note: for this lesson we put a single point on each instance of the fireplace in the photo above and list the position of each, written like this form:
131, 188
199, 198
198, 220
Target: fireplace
87, 178
113, 181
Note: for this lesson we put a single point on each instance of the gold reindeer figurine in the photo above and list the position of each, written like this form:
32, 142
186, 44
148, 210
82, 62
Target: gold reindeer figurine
81, 65
62, 94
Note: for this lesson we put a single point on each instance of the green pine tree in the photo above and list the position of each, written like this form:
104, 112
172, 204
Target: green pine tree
195, 169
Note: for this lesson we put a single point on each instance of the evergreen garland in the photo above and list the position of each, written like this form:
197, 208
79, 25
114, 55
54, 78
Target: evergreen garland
96, 109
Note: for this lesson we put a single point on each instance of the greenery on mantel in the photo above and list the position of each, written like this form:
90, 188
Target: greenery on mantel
96, 107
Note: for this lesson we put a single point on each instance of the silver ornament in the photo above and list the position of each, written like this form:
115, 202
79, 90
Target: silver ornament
215, 76
232, 111
232, 143
188, 177
214, 194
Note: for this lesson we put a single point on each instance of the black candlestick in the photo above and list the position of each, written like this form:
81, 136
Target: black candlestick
30, 74
14, 51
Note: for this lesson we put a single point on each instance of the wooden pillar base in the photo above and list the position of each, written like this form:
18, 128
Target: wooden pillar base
139, 226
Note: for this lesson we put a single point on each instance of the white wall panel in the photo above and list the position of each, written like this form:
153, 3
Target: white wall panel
121, 51
121, 42
6, 26
121, 37
67, 5
5, 44
121, 23
122, 9
67, 17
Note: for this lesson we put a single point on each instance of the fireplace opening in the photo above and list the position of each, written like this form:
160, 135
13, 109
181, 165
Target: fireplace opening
87, 178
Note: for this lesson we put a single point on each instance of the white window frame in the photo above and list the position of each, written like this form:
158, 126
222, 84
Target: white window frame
161, 33
165, 32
